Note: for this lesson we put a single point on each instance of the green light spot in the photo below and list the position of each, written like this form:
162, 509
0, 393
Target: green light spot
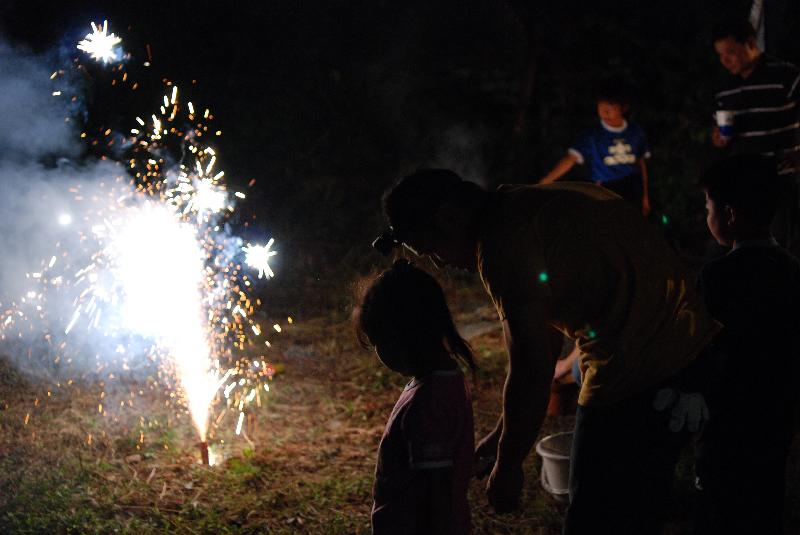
543, 276
592, 334
664, 219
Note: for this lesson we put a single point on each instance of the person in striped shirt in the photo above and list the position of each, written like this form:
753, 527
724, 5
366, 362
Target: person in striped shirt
760, 99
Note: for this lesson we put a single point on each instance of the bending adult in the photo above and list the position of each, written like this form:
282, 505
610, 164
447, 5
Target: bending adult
574, 259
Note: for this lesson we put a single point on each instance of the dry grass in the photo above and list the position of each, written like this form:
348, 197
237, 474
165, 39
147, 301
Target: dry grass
306, 465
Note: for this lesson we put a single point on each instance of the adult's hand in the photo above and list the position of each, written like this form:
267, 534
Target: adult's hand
686, 410
504, 487
717, 140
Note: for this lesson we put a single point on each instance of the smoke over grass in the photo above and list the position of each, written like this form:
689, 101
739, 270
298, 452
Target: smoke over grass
47, 190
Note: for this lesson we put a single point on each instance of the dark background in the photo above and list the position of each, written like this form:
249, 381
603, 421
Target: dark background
326, 103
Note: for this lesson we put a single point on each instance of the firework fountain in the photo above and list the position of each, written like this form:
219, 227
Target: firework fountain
168, 211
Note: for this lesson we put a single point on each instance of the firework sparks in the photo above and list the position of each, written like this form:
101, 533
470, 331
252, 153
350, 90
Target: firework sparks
257, 257
101, 45
150, 268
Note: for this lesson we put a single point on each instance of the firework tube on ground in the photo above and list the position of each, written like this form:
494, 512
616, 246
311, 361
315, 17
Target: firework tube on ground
204, 452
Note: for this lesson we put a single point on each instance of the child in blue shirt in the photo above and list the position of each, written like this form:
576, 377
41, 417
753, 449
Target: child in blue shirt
614, 151
425, 456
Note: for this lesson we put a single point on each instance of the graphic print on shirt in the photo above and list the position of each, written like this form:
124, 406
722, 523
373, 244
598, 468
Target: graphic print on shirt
620, 153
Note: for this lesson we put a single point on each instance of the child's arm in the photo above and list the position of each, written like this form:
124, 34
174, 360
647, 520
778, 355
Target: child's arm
645, 187
564, 366
561, 168
435, 499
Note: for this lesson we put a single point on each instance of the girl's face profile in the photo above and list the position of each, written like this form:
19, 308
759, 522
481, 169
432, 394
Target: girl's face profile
393, 353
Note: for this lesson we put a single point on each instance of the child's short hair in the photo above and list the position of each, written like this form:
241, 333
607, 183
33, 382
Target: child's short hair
613, 90
405, 301
748, 183
739, 29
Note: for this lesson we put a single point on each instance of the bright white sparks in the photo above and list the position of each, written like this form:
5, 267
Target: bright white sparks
153, 269
101, 45
257, 257
207, 197
168, 309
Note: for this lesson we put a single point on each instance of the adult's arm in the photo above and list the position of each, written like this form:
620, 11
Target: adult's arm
560, 169
486, 451
533, 348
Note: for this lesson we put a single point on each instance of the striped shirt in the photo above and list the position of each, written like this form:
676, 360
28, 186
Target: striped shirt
766, 112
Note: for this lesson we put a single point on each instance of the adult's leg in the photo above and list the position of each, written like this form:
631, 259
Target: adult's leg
623, 462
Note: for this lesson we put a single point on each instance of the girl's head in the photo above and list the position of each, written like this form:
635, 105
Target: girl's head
404, 316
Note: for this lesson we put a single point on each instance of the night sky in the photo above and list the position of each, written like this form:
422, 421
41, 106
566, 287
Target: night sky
326, 103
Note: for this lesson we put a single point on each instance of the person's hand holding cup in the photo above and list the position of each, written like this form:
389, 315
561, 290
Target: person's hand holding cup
721, 133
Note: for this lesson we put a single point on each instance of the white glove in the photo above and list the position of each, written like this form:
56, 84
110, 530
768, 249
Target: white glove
685, 409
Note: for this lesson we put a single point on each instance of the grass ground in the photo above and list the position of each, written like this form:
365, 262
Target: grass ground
303, 465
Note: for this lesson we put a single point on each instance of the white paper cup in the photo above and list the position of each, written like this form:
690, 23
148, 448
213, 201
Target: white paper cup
725, 123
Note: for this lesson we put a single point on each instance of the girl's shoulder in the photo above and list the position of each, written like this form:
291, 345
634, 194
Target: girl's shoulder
440, 401
439, 388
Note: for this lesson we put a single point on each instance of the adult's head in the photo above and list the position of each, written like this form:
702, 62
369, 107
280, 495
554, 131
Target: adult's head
735, 43
741, 197
404, 316
435, 212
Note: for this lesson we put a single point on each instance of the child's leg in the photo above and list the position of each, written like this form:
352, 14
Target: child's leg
742, 472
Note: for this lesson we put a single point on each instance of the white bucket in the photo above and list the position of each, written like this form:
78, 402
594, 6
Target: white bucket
554, 451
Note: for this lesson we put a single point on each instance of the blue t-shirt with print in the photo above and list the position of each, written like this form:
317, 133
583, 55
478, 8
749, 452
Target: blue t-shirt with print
611, 153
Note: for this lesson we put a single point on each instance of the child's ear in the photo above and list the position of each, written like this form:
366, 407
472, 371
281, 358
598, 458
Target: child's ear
626, 108
730, 215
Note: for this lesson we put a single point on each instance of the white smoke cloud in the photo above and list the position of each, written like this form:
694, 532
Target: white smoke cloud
41, 177
33, 122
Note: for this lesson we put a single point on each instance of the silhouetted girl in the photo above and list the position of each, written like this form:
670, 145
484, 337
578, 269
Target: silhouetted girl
426, 453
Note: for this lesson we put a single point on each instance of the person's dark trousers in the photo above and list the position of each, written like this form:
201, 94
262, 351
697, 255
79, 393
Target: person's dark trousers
786, 224
622, 468
741, 467
629, 188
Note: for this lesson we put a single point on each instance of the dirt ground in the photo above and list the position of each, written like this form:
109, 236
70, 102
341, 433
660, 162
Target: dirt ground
304, 463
